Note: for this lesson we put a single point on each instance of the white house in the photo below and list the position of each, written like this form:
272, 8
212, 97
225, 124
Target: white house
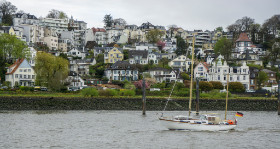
162, 74
76, 53
33, 54
121, 71
138, 57
20, 73
219, 72
153, 57
181, 62
24, 18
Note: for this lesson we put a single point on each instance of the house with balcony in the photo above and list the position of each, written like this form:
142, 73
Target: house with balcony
271, 77
181, 63
113, 55
138, 57
81, 66
253, 78
122, 70
167, 75
25, 18
21, 73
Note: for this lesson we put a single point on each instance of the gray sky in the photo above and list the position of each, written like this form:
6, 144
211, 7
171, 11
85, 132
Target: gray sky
188, 14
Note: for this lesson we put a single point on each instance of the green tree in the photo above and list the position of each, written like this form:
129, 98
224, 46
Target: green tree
100, 58
181, 46
51, 71
223, 47
185, 76
11, 48
108, 20
220, 29
261, 78
7, 9
125, 54
154, 35
164, 63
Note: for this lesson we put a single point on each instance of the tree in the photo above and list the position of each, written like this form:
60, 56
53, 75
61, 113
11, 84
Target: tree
223, 47
254, 30
185, 76
100, 58
272, 24
154, 35
51, 71
57, 14
236, 27
108, 20
164, 63
7, 9
261, 78
139, 84
181, 46
160, 45
125, 54
219, 29
274, 52
11, 48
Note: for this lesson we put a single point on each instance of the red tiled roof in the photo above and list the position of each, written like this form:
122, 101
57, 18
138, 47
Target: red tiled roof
98, 30
16, 64
243, 37
253, 46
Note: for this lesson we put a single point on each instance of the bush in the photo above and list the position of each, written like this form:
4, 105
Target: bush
204, 86
217, 85
129, 85
108, 93
26, 88
89, 92
236, 87
215, 94
127, 93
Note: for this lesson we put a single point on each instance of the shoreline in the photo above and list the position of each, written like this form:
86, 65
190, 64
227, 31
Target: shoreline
126, 103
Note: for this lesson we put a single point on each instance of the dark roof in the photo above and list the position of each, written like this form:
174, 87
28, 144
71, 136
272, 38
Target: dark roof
133, 53
29, 16
122, 65
91, 44
5, 28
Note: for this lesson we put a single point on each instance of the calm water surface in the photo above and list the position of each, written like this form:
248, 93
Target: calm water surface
128, 129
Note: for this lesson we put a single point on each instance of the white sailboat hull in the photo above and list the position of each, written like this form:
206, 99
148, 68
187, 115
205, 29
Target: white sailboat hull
177, 125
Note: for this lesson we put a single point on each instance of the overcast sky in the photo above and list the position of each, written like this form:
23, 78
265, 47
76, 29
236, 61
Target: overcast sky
188, 14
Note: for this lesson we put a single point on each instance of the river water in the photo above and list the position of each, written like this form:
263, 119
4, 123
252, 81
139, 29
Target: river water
128, 129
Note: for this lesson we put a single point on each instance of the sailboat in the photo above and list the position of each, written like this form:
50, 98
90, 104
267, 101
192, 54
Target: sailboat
204, 122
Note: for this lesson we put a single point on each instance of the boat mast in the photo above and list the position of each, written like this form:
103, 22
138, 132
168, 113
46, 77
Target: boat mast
227, 95
191, 85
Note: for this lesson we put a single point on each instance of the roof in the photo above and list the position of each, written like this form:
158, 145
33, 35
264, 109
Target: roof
243, 37
133, 53
5, 28
15, 65
98, 30
91, 44
29, 16
122, 65
268, 71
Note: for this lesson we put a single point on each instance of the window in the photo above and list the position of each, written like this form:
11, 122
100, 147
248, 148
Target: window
20, 76
33, 76
200, 68
29, 76
244, 77
20, 70
244, 70
225, 78
218, 69
177, 63
237, 78
24, 77
16, 76
29, 70
218, 77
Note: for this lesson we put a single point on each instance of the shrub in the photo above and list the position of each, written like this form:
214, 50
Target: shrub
185, 76
129, 85
108, 93
127, 93
205, 86
89, 92
217, 85
26, 88
236, 87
